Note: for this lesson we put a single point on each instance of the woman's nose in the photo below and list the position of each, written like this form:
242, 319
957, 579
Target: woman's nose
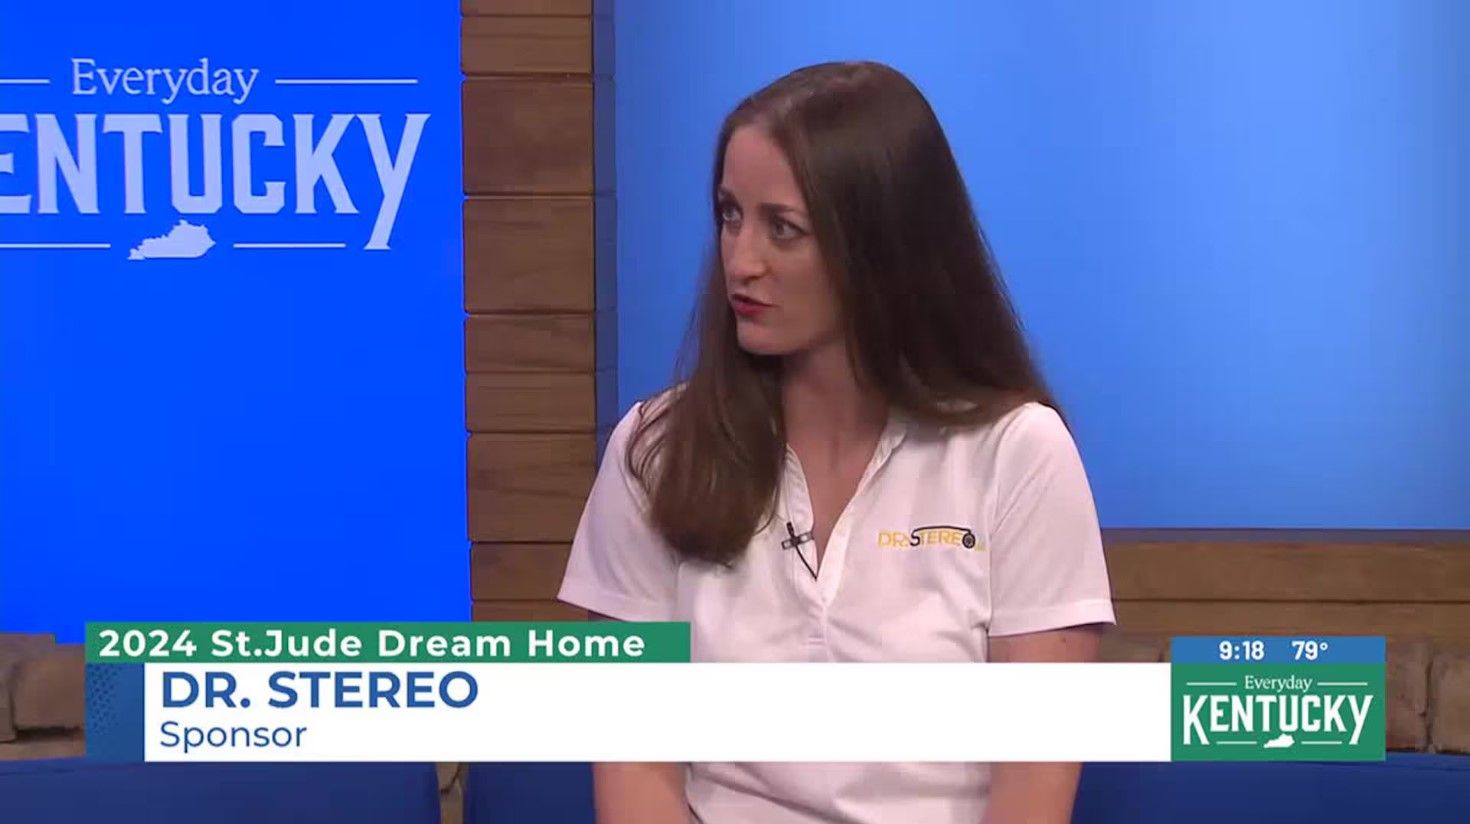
743, 257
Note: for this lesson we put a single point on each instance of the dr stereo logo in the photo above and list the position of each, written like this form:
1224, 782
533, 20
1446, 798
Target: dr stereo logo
936, 535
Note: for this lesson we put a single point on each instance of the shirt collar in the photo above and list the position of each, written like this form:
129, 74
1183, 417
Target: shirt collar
894, 432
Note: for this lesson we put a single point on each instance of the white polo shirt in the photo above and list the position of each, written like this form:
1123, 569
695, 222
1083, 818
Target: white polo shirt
952, 538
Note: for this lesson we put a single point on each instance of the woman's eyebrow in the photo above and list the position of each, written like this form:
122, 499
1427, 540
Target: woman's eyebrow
772, 207
781, 209
768, 208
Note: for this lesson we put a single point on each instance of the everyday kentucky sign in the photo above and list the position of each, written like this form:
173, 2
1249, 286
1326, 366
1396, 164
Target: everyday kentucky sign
230, 310
1278, 698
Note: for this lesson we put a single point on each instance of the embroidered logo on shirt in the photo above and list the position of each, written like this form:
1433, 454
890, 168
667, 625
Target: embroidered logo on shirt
939, 535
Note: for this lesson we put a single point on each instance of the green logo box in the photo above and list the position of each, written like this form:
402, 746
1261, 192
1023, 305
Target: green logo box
1278, 712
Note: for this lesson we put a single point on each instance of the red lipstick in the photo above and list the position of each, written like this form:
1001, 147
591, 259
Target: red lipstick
747, 307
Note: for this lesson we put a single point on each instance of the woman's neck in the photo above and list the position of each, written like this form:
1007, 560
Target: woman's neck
826, 408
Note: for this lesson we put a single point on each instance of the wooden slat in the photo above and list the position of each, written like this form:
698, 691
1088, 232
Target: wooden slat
529, 343
530, 402
1290, 571
517, 572
527, 611
1417, 537
570, 8
1437, 621
529, 254
533, 45
528, 488
527, 136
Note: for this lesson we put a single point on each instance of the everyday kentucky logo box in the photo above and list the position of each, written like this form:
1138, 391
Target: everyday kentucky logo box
1278, 699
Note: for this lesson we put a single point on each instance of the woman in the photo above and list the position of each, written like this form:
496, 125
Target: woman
863, 463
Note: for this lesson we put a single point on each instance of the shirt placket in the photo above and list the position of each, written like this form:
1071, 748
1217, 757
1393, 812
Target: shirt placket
816, 594
813, 613
837, 543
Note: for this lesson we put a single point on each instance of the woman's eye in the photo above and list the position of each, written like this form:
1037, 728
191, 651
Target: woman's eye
782, 230
729, 213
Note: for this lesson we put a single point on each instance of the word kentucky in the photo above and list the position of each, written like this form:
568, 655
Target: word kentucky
144, 141
1233, 714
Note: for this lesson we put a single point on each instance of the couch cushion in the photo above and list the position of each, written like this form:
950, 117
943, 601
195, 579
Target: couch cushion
1408, 787
516, 793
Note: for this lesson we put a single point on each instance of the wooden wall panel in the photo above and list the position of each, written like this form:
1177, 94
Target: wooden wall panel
529, 343
488, 610
530, 402
528, 135
532, 235
1272, 571
569, 8
518, 572
525, 487
528, 254
1446, 622
526, 45
1411, 584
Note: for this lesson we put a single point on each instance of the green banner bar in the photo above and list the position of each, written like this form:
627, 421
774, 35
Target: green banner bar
484, 642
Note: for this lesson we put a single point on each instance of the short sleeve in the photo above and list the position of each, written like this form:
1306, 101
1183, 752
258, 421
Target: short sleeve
1047, 565
619, 566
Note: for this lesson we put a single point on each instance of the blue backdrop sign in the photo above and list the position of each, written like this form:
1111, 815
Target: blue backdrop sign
230, 313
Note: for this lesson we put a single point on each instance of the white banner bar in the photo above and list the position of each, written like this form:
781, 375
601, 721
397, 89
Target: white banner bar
662, 712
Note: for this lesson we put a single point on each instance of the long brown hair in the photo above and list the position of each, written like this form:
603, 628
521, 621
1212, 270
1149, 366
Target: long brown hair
929, 324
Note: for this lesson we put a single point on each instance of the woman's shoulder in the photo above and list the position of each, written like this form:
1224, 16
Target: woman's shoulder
648, 411
1027, 431
1031, 421
651, 406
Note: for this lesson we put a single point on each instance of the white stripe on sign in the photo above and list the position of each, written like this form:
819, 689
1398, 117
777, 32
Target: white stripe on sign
55, 245
289, 245
346, 81
677, 712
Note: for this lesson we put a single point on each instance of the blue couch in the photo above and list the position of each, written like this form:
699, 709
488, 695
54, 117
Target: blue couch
1405, 789
75, 791
1408, 788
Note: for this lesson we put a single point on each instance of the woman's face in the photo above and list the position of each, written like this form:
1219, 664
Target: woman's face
777, 284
